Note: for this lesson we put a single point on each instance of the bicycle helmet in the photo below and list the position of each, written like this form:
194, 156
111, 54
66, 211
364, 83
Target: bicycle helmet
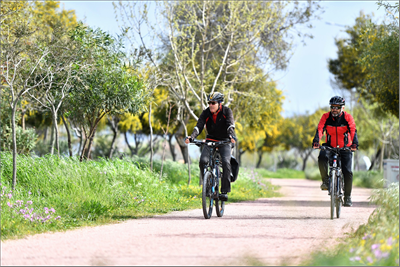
216, 96
337, 100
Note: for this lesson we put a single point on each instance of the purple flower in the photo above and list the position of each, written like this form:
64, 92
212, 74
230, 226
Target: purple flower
374, 246
9, 204
46, 210
366, 237
30, 193
356, 258
352, 250
29, 202
52, 210
22, 211
390, 241
58, 217
369, 259
9, 195
26, 216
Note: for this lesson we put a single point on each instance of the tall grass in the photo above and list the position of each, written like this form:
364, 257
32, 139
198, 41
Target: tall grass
62, 193
375, 243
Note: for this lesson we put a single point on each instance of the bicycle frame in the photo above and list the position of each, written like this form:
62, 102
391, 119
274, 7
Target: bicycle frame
336, 181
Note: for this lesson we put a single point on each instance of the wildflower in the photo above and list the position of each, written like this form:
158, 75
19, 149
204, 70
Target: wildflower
26, 216
22, 211
9, 204
375, 246
29, 193
356, 258
369, 259
29, 202
366, 236
389, 241
9, 195
352, 250
46, 210
52, 210
58, 217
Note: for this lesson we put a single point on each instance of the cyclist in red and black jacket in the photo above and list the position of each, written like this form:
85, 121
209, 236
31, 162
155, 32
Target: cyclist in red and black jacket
218, 119
340, 131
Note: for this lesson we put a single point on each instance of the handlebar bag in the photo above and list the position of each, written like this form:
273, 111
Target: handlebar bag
234, 169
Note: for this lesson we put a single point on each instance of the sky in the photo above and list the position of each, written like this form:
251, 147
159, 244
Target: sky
306, 82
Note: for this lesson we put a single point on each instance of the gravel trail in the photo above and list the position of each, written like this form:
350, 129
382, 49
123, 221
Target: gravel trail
272, 231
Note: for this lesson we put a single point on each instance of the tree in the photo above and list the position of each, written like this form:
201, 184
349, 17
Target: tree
297, 132
21, 67
214, 45
368, 61
105, 86
380, 63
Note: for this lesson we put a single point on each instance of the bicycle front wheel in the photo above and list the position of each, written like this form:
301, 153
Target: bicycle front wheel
333, 194
207, 199
339, 198
220, 207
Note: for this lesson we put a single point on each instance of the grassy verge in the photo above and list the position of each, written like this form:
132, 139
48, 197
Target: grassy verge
54, 194
281, 173
375, 243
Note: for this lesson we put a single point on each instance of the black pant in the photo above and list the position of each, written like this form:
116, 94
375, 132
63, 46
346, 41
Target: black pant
225, 152
345, 158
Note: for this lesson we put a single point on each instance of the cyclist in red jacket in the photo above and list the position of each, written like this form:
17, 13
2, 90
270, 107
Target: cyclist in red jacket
340, 131
218, 119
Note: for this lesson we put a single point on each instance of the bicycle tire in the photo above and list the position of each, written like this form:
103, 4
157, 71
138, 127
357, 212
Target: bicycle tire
220, 207
333, 194
206, 196
338, 207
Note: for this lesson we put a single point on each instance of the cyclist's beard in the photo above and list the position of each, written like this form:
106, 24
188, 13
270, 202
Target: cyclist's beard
336, 115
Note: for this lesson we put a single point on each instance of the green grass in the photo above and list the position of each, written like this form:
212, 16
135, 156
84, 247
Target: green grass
375, 243
54, 194
281, 173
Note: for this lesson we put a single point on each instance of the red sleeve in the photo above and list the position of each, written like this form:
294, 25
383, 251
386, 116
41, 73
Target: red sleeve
352, 124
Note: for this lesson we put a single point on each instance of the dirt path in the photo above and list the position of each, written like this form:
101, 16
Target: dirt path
273, 231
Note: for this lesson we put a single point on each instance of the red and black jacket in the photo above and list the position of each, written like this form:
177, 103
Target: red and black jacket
220, 126
339, 130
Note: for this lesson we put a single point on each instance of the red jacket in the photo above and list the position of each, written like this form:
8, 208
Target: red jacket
340, 131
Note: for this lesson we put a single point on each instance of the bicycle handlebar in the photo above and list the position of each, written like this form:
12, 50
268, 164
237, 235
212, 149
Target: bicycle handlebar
346, 148
209, 143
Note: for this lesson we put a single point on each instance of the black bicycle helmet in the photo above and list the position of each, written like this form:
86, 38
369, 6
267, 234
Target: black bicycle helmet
337, 100
216, 96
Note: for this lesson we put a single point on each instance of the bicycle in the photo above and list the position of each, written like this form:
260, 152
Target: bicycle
212, 176
336, 180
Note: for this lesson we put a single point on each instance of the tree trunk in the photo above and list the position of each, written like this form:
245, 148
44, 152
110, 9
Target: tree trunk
68, 135
260, 155
89, 151
151, 140
14, 152
114, 127
378, 153
56, 139
52, 139
171, 147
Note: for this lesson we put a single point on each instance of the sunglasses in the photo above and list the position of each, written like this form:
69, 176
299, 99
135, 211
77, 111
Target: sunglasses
212, 103
335, 107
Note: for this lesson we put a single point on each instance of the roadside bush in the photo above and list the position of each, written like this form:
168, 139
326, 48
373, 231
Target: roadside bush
368, 179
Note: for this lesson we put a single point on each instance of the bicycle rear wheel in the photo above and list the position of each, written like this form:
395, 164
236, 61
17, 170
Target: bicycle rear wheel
333, 194
207, 199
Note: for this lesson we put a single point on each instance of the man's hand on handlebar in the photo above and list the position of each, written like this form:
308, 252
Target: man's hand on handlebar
353, 147
233, 139
188, 139
316, 145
